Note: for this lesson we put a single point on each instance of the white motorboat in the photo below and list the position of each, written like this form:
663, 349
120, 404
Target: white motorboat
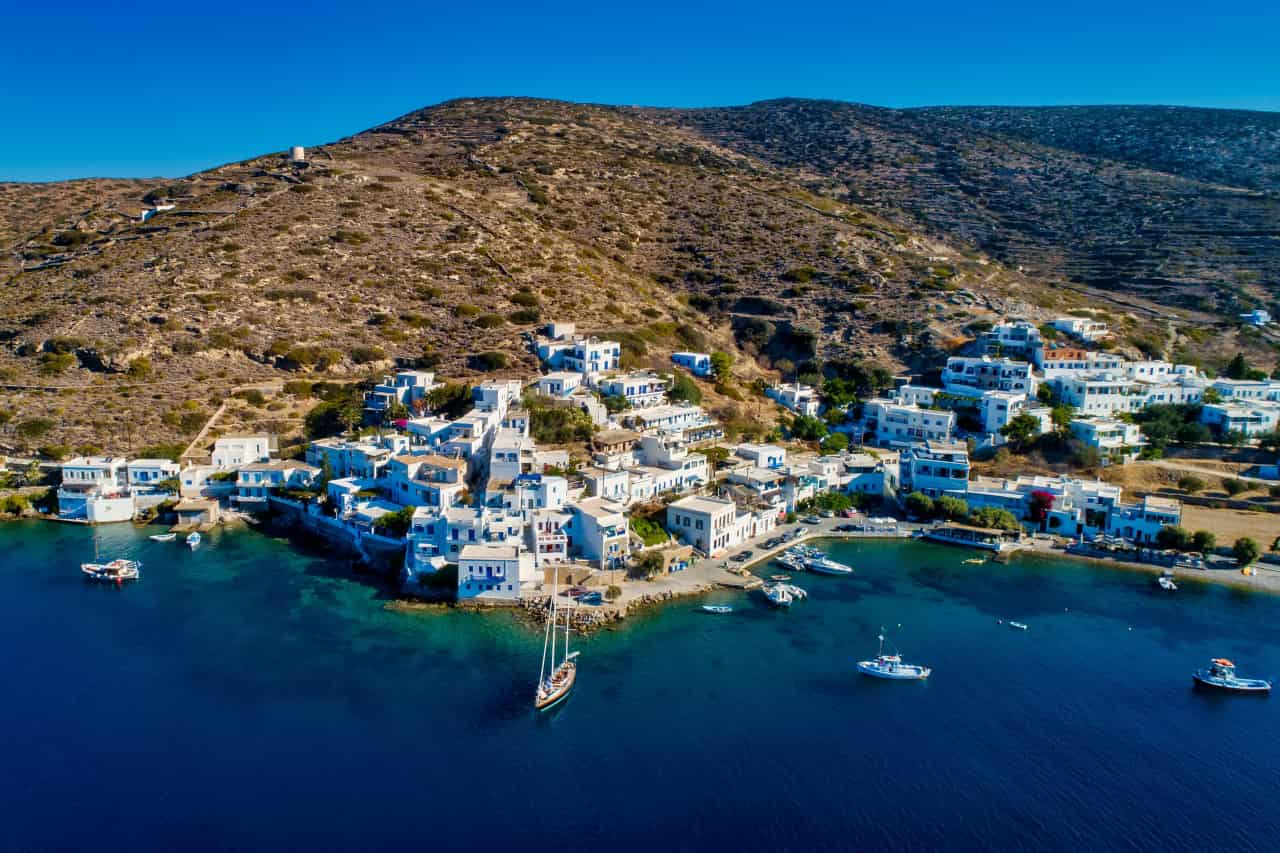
717, 608
1165, 582
891, 667
777, 595
163, 537
824, 565
193, 540
1019, 626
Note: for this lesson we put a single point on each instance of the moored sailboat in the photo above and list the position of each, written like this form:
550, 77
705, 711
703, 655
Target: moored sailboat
115, 571
555, 680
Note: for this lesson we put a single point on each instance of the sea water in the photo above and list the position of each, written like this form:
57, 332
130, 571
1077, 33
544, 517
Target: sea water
255, 694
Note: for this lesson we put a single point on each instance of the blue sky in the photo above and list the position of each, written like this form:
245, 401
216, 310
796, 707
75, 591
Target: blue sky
156, 89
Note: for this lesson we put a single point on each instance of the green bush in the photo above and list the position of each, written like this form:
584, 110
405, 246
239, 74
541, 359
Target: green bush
684, 388
1233, 487
488, 321
524, 299
995, 518
54, 363
525, 316
34, 427
919, 504
1191, 484
367, 355
488, 361
650, 532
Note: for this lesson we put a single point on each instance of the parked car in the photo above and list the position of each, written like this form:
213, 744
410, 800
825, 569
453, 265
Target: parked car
826, 513
810, 519
846, 528
849, 513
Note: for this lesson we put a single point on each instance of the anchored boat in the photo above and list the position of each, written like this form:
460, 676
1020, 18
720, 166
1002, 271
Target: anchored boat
1165, 582
892, 667
193, 540
163, 537
116, 571
1221, 675
555, 680
717, 608
824, 565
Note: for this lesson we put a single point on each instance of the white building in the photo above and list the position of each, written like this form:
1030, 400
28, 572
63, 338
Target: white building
989, 374
427, 480
599, 532
762, 455
798, 397
1059, 361
874, 475
95, 489
257, 481
591, 355
670, 417
146, 473
708, 524
404, 387
510, 455
232, 451
1118, 440
935, 468
897, 425
494, 572
1240, 390
640, 389
1082, 328
697, 363
1141, 523
1249, 419
997, 408
1017, 337
560, 383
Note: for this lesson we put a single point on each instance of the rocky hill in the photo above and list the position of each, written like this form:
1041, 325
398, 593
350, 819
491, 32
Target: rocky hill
440, 239
788, 232
1172, 204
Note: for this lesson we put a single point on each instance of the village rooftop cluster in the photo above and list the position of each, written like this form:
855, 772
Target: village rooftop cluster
475, 492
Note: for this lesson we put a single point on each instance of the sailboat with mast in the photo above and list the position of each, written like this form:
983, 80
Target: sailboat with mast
555, 680
116, 571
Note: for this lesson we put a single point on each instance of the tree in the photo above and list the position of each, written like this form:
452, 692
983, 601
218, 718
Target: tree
836, 442
1021, 429
451, 400
395, 524
684, 388
1204, 541
952, 509
716, 456
1191, 484
995, 518
919, 504
648, 564
1245, 550
331, 417
1193, 433
1211, 396
1062, 415
1174, 537
721, 364
805, 428
140, 367
1237, 368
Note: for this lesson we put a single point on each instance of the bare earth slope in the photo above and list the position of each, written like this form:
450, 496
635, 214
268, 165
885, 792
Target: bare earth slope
439, 238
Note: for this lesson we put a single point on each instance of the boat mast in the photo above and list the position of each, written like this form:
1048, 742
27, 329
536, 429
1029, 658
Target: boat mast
549, 635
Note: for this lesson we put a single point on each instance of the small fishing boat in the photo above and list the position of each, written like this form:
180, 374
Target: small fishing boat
163, 537
193, 540
780, 578
1019, 626
717, 608
791, 562
116, 571
1165, 582
974, 561
1221, 675
892, 667
555, 679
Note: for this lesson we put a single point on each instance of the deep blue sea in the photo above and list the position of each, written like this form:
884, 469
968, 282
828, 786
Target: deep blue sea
254, 695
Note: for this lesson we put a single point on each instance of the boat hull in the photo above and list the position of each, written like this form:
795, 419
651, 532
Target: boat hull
903, 672
562, 683
820, 569
1243, 686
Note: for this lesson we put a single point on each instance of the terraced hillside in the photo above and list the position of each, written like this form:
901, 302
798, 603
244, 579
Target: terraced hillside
1178, 206
441, 239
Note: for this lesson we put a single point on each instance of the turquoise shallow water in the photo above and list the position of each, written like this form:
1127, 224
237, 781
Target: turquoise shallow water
254, 695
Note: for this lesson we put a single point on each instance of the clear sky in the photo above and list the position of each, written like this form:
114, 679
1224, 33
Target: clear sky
144, 88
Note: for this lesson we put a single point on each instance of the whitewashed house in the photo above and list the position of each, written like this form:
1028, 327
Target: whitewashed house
232, 451
936, 469
798, 397
404, 387
144, 474
494, 572
257, 481
1116, 439
708, 524
896, 425
95, 489
1085, 329
639, 389
697, 363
